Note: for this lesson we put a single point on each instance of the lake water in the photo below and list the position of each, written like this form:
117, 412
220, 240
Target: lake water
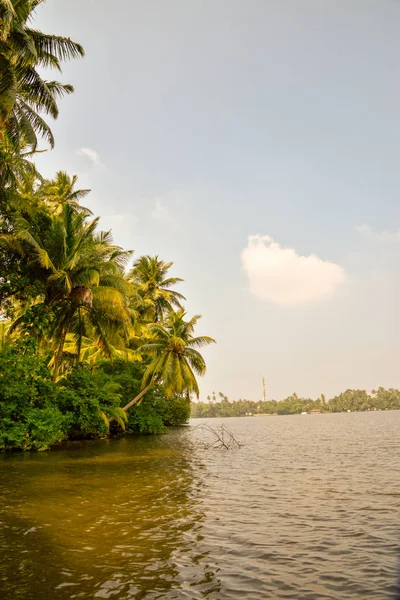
307, 508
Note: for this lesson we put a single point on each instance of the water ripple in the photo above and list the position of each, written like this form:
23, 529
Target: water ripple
307, 508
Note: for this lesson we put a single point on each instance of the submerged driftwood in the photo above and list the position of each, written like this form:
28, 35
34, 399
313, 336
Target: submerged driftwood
221, 437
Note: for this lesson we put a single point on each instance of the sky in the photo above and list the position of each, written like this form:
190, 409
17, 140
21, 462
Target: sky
256, 145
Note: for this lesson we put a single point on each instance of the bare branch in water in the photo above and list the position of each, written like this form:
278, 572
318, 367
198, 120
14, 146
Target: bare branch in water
221, 437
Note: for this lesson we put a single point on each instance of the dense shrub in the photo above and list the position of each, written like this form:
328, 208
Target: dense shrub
144, 419
29, 415
36, 413
155, 412
89, 399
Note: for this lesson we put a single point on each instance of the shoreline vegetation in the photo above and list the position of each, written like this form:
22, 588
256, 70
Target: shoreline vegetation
90, 344
348, 401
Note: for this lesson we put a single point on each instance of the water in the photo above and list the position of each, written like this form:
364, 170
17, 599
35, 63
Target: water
307, 508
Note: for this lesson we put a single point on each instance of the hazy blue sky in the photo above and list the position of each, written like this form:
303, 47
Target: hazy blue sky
199, 123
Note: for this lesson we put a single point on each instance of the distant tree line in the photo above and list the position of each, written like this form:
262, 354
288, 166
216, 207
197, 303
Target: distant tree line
353, 400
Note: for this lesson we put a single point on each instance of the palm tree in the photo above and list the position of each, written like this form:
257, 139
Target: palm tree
14, 165
91, 348
3, 331
150, 275
24, 94
82, 278
60, 190
175, 359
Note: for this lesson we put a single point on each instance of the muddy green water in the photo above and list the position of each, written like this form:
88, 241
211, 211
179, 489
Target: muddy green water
307, 508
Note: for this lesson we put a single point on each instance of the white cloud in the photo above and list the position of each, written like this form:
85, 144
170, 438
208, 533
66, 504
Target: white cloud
90, 154
161, 213
388, 236
282, 276
364, 229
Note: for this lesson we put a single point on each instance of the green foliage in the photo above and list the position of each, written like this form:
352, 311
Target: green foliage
66, 300
36, 412
39, 429
150, 275
155, 412
29, 416
174, 412
24, 94
144, 418
175, 358
87, 397
127, 374
83, 288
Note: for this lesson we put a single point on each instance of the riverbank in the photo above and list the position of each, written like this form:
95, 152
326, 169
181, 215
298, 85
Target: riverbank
37, 413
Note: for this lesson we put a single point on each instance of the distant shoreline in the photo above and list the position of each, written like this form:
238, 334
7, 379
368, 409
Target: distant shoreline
339, 412
219, 405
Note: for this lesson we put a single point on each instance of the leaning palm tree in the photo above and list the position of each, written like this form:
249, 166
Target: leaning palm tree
24, 94
150, 276
175, 360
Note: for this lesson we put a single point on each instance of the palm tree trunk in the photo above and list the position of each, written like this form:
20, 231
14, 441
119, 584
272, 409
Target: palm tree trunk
138, 397
135, 400
58, 357
79, 344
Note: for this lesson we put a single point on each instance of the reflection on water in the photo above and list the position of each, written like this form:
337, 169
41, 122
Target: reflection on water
106, 519
309, 508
